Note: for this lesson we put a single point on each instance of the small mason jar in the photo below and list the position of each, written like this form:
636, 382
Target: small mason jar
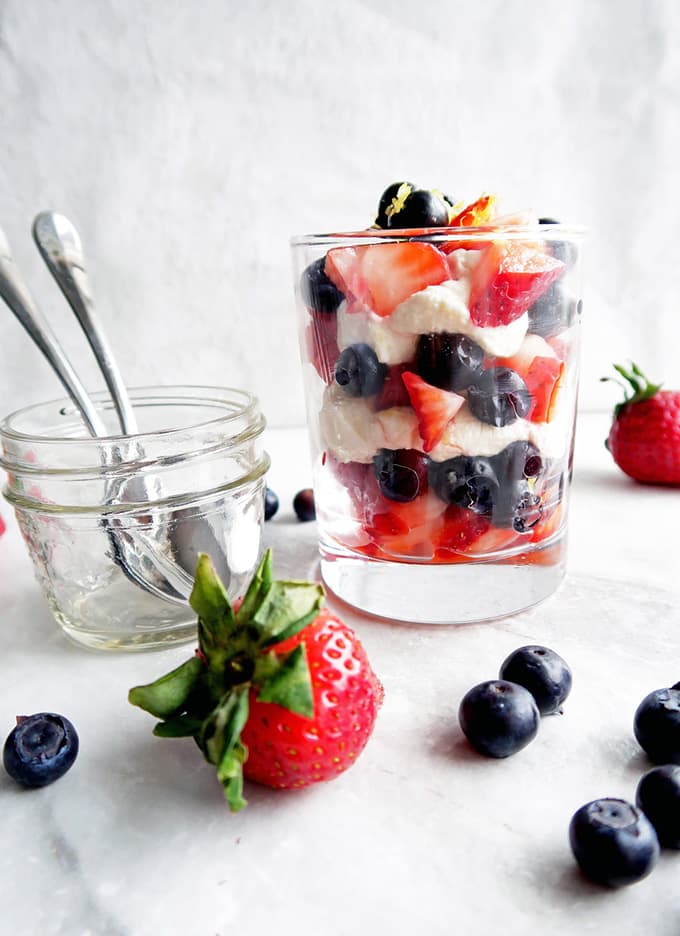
114, 524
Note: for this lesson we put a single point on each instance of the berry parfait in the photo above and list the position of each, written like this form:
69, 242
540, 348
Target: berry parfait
440, 358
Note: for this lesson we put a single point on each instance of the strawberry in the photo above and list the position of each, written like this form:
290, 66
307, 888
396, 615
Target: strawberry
479, 212
321, 337
2, 526
393, 392
381, 276
509, 278
644, 438
541, 370
279, 690
434, 408
461, 528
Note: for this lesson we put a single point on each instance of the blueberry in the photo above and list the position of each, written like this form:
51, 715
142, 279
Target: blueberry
304, 506
517, 507
543, 672
401, 473
359, 372
553, 312
657, 725
448, 361
658, 796
499, 396
613, 842
466, 482
271, 504
498, 717
40, 749
517, 461
318, 292
421, 209
386, 199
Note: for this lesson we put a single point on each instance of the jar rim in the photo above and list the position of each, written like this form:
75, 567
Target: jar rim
243, 403
444, 234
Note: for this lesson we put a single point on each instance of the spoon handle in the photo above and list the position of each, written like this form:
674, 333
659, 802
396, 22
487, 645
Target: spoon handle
16, 295
60, 247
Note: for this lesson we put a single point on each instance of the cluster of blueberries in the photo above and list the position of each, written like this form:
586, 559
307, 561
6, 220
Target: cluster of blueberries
303, 505
615, 843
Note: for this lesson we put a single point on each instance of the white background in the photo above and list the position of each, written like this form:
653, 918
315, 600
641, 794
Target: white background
189, 141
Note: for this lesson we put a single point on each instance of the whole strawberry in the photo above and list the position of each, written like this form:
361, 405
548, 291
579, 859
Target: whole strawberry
279, 690
644, 438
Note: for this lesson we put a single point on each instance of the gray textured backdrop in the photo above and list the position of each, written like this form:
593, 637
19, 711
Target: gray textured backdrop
190, 140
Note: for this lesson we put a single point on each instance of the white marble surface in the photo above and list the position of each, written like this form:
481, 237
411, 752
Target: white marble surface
189, 144
422, 834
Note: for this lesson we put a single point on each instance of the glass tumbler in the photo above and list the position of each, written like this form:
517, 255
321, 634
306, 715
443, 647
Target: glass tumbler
114, 524
441, 371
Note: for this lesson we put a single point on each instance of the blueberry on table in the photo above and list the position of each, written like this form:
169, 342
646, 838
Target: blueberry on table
271, 504
613, 842
543, 672
499, 396
401, 473
420, 209
304, 506
448, 361
40, 749
318, 292
359, 372
498, 717
656, 725
465, 481
658, 796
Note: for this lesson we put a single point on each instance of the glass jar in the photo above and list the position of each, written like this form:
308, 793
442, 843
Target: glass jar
441, 374
114, 524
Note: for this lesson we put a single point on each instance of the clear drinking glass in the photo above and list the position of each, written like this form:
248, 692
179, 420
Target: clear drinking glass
441, 372
113, 525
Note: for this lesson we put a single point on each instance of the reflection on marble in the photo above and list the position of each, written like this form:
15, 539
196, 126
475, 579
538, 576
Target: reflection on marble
422, 833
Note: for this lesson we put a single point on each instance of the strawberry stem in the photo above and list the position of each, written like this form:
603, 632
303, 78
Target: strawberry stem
634, 379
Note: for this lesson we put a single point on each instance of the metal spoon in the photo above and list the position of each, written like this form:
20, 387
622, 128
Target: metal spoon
60, 247
176, 553
137, 567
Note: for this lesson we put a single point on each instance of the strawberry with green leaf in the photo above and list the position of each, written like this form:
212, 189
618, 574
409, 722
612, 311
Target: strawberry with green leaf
279, 691
644, 438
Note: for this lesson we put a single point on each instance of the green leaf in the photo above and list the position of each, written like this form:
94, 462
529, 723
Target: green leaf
182, 726
222, 728
290, 685
168, 694
211, 603
258, 588
287, 608
230, 774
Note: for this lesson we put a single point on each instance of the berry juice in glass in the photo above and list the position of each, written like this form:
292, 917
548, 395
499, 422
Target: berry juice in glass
441, 369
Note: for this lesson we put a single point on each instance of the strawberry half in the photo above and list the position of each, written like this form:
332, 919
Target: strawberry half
278, 690
434, 408
382, 276
644, 438
480, 212
509, 278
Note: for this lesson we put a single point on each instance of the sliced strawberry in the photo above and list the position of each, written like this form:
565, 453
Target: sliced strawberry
479, 212
543, 380
381, 276
394, 392
2, 526
509, 278
495, 540
321, 339
406, 530
460, 529
434, 408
